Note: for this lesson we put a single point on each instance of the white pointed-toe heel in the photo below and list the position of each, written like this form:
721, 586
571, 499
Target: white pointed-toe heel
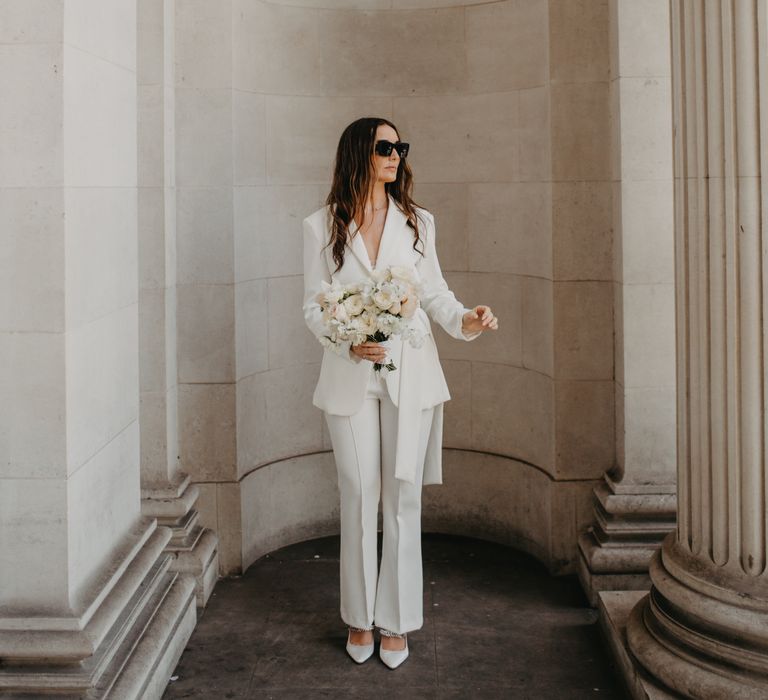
359, 652
393, 657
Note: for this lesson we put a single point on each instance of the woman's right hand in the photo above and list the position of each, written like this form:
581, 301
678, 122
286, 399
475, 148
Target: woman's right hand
373, 352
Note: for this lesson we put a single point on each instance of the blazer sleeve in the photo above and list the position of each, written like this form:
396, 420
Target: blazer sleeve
315, 272
438, 300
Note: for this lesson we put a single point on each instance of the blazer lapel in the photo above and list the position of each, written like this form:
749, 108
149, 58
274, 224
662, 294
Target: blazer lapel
356, 245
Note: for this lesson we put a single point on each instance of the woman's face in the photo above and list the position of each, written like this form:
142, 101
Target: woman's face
386, 166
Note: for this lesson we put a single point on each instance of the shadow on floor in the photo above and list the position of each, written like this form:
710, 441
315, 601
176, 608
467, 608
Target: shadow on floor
496, 625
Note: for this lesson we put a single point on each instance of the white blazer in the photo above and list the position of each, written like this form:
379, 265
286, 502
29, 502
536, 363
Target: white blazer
418, 382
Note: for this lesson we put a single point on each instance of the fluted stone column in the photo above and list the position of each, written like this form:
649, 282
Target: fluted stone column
635, 503
703, 629
167, 492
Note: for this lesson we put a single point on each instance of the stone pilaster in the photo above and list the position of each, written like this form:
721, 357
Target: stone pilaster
703, 629
635, 504
166, 493
89, 606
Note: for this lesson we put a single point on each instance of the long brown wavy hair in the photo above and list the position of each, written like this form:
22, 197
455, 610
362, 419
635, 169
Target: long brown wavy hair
353, 180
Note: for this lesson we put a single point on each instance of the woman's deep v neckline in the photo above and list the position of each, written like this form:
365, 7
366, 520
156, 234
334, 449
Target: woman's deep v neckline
372, 263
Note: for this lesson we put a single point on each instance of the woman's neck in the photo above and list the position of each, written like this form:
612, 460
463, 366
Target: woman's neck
378, 196
377, 200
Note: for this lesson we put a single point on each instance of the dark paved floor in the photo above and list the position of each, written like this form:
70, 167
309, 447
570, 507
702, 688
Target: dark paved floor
496, 625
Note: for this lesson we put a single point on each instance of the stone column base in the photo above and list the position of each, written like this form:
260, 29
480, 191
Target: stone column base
195, 549
703, 629
124, 644
614, 609
629, 527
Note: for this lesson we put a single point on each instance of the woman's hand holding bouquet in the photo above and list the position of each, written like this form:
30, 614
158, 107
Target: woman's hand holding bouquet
371, 310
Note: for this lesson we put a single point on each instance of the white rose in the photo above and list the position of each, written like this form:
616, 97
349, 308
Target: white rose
354, 304
384, 298
338, 312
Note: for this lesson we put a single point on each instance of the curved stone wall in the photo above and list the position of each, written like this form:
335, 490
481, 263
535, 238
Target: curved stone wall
470, 86
484, 495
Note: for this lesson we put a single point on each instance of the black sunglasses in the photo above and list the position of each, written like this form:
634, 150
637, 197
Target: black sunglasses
384, 148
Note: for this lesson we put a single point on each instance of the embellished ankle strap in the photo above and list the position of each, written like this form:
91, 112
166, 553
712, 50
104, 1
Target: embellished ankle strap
360, 629
387, 633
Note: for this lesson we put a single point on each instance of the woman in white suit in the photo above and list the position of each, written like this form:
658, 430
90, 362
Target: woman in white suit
385, 428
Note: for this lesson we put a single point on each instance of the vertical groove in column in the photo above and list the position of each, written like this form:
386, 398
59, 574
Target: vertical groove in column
762, 75
693, 242
718, 428
701, 535
693, 167
750, 287
680, 141
731, 284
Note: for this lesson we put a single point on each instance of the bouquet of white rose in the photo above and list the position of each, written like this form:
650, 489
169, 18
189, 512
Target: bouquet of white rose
371, 310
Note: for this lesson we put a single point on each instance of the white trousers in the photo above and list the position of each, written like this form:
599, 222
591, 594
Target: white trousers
364, 450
